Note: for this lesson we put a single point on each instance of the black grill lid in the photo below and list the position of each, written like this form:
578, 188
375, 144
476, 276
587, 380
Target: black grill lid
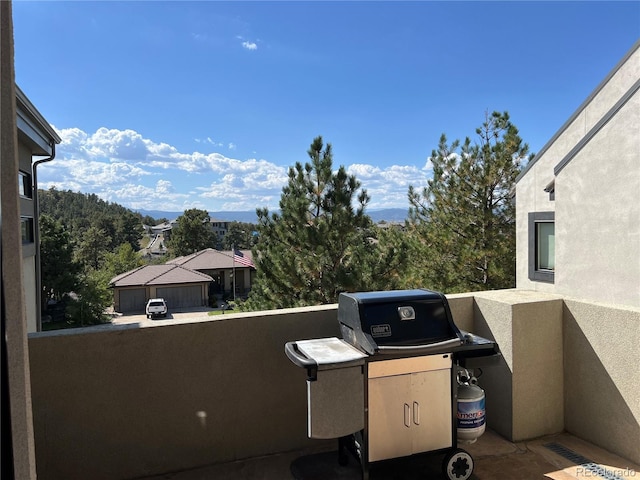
397, 318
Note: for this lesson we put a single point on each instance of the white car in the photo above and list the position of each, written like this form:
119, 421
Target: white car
156, 307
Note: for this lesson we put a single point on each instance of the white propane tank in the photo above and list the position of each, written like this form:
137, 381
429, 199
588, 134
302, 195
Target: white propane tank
471, 411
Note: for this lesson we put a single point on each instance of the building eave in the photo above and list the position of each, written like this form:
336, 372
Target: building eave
34, 127
582, 106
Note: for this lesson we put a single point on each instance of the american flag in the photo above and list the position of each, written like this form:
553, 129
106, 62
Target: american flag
238, 257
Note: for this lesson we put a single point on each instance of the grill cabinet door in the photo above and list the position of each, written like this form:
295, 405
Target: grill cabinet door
431, 392
390, 417
409, 406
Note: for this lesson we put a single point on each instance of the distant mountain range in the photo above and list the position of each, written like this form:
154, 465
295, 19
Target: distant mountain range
385, 214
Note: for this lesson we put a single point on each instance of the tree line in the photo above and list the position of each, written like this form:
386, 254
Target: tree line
460, 234
85, 242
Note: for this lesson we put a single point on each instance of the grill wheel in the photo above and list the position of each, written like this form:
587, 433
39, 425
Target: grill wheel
457, 465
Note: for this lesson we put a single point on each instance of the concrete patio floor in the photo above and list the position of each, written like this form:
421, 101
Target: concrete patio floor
557, 457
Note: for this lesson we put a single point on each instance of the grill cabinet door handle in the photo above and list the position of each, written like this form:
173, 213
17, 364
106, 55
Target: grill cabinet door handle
416, 413
407, 415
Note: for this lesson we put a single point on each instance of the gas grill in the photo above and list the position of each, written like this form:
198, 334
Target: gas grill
388, 388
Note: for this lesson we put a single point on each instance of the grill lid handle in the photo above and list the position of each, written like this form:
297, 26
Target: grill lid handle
419, 348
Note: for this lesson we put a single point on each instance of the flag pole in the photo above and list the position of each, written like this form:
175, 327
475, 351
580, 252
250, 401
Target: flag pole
233, 255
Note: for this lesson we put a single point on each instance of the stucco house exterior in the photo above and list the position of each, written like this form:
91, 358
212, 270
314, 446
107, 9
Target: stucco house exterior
228, 270
569, 334
179, 286
188, 281
578, 200
36, 138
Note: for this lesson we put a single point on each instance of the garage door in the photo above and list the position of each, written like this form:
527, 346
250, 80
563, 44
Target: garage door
133, 300
180, 297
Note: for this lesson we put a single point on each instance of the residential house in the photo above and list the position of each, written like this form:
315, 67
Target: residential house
578, 245
36, 145
219, 227
179, 286
578, 200
188, 281
231, 271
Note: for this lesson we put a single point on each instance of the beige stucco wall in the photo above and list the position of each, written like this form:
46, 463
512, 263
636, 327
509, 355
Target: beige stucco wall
125, 402
596, 200
598, 214
15, 360
525, 393
601, 365
28, 250
30, 290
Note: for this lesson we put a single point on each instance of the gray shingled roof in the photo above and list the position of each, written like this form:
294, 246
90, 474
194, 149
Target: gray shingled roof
166, 274
210, 259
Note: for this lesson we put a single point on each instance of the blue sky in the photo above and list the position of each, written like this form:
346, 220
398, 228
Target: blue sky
175, 105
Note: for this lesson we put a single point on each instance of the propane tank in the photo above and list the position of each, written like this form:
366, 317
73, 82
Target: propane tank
471, 409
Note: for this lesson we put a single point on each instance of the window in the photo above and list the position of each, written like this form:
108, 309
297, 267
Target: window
542, 250
24, 185
26, 225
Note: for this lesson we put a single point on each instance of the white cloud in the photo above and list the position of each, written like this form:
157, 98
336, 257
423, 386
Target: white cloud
388, 187
123, 166
246, 44
250, 45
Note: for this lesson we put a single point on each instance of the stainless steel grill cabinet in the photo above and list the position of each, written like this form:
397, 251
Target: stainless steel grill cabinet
410, 348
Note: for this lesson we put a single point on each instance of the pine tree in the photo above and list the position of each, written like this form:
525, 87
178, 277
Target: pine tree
317, 245
192, 233
58, 270
464, 220
92, 248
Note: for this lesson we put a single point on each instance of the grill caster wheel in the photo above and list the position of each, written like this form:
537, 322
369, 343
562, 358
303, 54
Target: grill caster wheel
457, 465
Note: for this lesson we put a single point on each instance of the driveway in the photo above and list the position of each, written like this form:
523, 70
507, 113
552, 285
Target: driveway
196, 313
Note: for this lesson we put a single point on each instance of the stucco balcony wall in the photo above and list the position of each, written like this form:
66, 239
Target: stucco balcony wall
123, 402
525, 392
601, 366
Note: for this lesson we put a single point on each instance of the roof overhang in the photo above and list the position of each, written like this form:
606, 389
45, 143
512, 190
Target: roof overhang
33, 128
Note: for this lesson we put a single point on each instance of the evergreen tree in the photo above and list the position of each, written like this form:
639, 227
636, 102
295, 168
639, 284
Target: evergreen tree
58, 270
93, 246
463, 221
317, 245
240, 235
78, 212
192, 233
